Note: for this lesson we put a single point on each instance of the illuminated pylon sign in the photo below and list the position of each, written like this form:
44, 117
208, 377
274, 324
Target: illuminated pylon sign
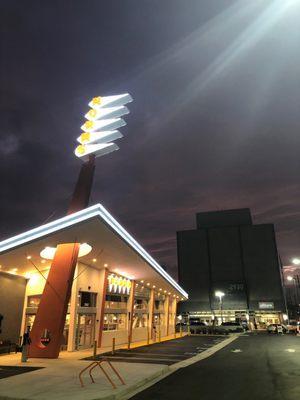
101, 127
117, 284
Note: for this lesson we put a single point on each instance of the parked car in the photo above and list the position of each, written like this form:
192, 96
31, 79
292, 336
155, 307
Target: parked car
245, 325
232, 327
198, 326
181, 325
293, 327
277, 328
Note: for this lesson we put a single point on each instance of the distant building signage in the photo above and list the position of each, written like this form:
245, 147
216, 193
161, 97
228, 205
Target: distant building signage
117, 284
266, 305
236, 287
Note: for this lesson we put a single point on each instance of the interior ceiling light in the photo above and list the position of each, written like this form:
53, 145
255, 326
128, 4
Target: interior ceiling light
49, 252
28, 257
13, 271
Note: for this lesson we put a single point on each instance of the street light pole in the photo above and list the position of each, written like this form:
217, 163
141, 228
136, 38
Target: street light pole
220, 295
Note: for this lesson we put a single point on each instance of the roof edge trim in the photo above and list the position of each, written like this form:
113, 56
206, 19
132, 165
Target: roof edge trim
80, 216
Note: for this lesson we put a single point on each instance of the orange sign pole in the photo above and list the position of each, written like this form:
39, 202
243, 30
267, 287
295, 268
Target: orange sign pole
47, 331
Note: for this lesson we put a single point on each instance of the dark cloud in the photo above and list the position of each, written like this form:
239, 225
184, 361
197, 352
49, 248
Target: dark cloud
214, 123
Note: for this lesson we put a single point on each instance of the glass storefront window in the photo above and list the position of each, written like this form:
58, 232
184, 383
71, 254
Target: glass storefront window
87, 299
141, 304
159, 305
85, 330
142, 292
156, 319
29, 321
140, 320
115, 322
34, 301
116, 301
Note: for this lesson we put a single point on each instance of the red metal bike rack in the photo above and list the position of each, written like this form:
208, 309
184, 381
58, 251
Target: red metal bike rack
95, 364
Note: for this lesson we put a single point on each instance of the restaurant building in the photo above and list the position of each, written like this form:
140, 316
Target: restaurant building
118, 291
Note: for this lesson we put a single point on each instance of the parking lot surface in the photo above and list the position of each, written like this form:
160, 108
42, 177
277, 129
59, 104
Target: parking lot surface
7, 371
168, 352
256, 366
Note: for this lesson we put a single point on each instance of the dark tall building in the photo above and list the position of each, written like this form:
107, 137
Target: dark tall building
228, 253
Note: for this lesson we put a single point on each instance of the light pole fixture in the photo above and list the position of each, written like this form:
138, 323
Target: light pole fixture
101, 126
220, 295
99, 132
296, 285
296, 261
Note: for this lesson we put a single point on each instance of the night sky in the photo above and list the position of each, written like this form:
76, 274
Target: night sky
215, 122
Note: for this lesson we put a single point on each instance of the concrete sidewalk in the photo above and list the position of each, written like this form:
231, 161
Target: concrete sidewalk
58, 379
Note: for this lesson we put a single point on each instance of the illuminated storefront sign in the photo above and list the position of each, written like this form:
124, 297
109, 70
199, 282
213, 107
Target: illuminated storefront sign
265, 305
117, 284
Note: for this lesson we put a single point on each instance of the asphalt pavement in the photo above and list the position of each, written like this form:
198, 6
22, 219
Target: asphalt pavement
6, 371
256, 366
168, 352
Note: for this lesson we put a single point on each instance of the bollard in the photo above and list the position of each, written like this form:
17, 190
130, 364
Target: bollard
113, 347
95, 350
25, 345
189, 330
180, 331
128, 345
148, 337
159, 335
24, 354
